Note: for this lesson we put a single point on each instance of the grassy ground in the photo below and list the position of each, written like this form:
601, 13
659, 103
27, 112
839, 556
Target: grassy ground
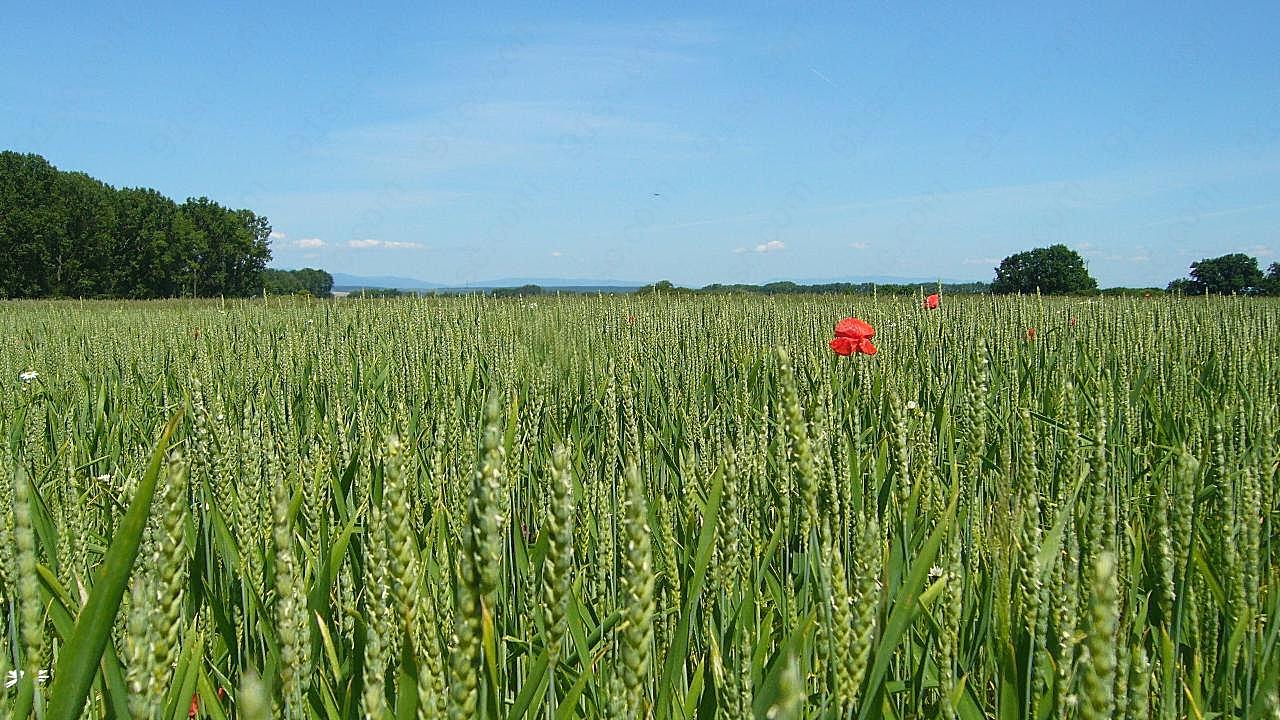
640, 507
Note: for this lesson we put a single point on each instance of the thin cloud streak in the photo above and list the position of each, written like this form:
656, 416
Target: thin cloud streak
368, 243
1197, 216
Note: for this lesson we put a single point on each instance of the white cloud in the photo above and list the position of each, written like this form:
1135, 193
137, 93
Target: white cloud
556, 253
388, 244
980, 261
277, 235
309, 243
859, 245
1259, 250
771, 246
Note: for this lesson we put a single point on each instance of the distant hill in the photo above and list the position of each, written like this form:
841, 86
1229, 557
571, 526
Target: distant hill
344, 280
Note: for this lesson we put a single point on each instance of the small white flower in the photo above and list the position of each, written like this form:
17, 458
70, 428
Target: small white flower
28, 376
911, 405
220, 417
104, 477
935, 572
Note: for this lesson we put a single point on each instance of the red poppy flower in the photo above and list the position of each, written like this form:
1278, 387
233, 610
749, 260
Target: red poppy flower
853, 335
1031, 333
931, 302
848, 346
855, 328
1073, 322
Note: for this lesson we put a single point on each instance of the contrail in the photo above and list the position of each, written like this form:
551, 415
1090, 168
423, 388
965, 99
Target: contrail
825, 79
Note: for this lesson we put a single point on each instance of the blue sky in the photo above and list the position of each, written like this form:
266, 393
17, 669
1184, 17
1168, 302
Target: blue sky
722, 143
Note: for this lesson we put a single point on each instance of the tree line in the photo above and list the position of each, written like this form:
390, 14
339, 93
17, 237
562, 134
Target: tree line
786, 287
1053, 270
307, 281
1236, 273
66, 234
1059, 270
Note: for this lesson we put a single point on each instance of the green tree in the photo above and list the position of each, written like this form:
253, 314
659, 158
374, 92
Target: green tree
317, 282
78, 255
152, 239
281, 282
1054, 270
67, 234
1225, 275
30, 223
522, 291
1271, 283
233, 252
251, 254
662, 286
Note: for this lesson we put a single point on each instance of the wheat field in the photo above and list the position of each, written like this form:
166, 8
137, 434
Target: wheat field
640, 507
